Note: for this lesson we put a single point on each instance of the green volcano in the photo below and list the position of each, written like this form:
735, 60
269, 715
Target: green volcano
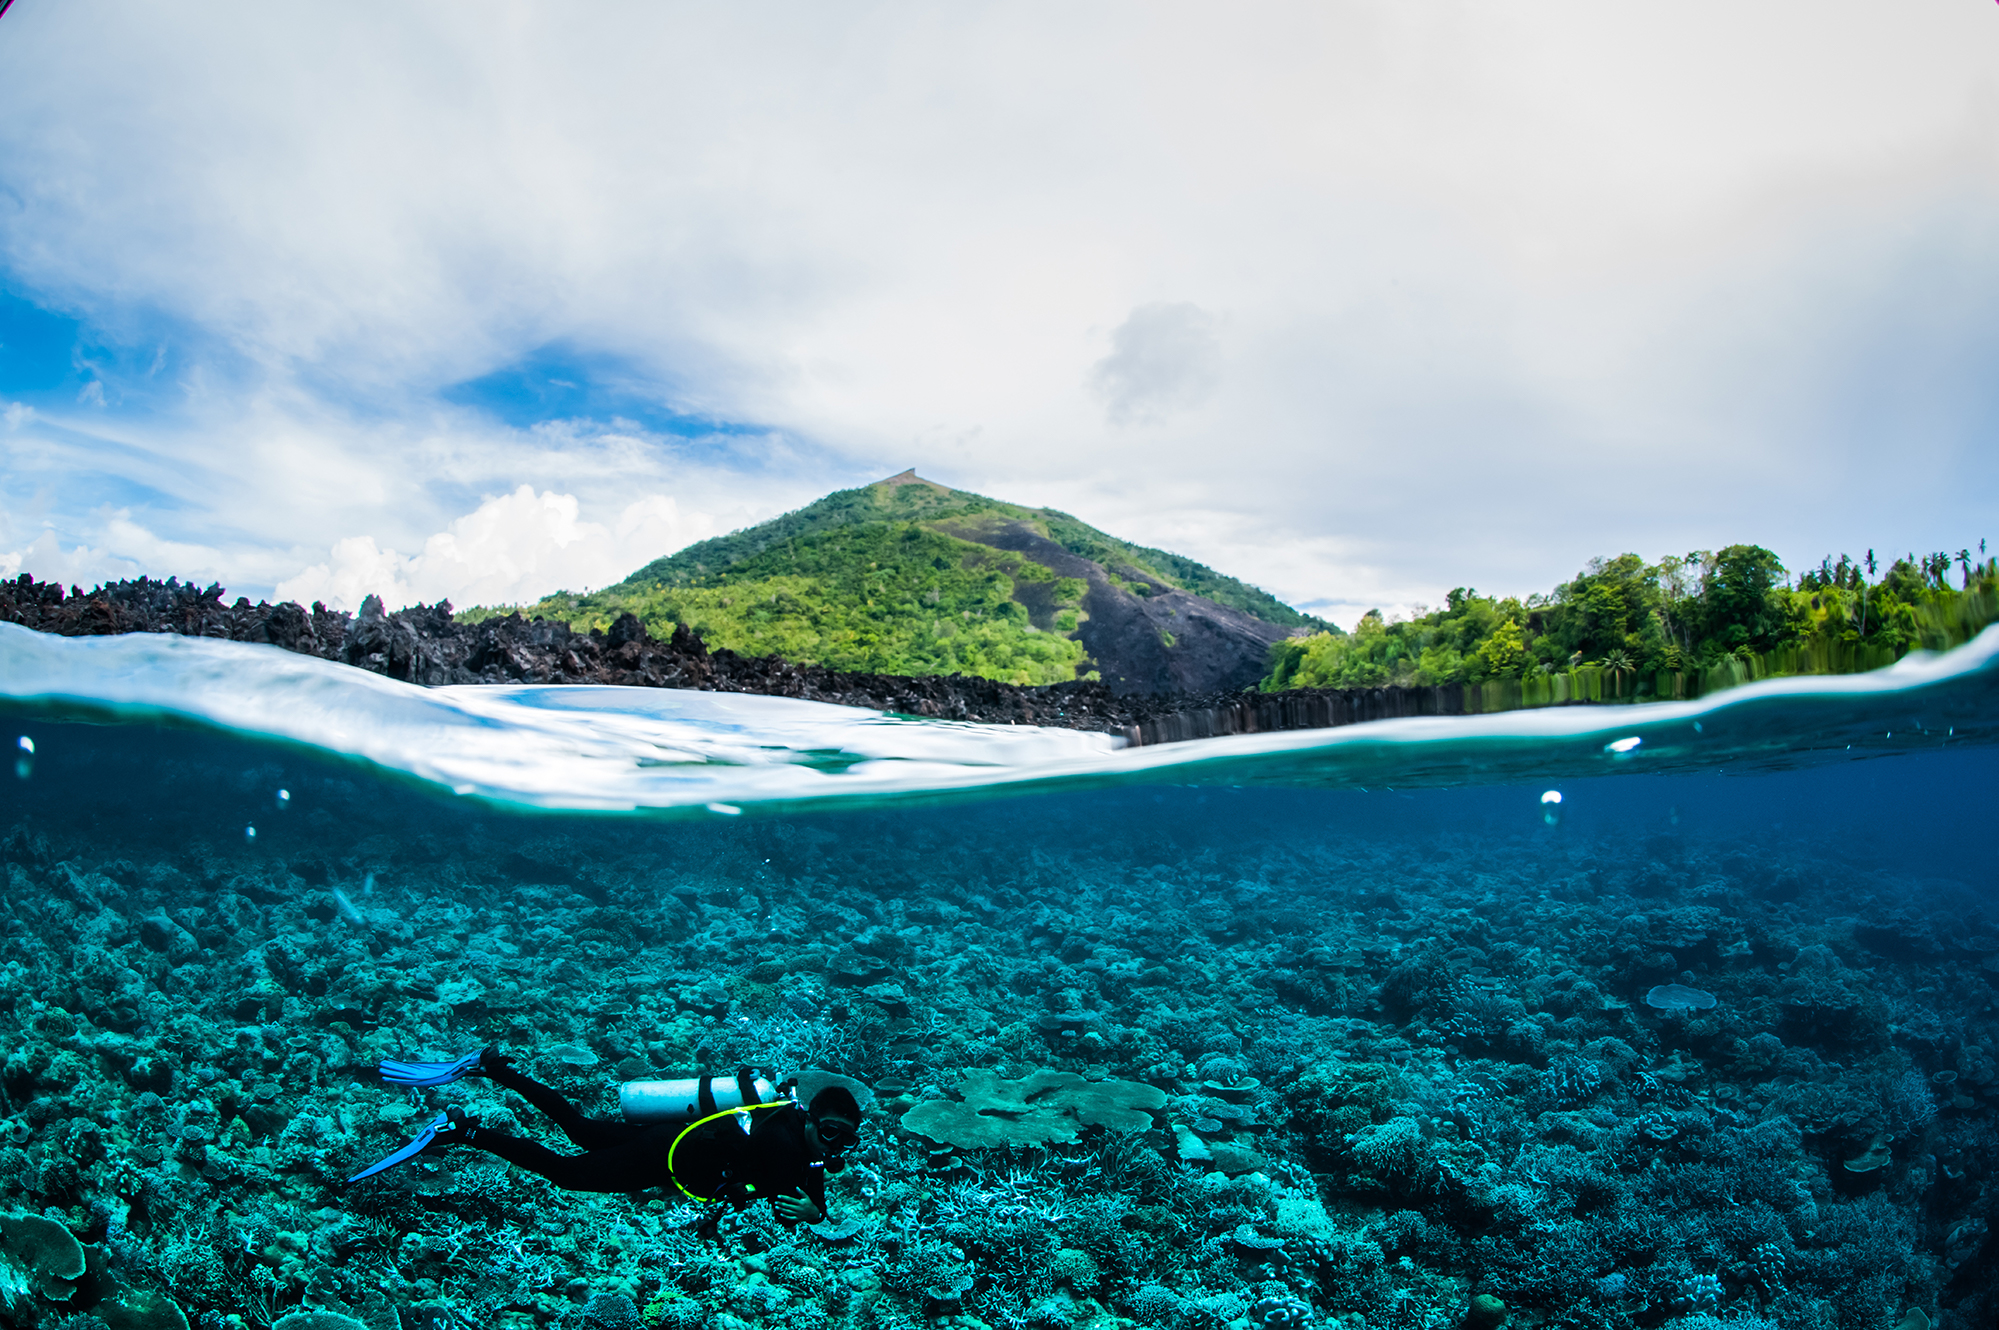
906, 576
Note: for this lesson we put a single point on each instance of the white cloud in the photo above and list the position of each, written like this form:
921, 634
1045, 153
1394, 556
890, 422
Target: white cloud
136, 543
85, 565
1506, 286
357, 569
1165, 357
513, 548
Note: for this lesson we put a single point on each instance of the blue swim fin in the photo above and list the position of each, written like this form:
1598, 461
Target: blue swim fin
408, 1152
422, 1075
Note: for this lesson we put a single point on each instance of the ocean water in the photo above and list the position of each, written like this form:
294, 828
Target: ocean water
1709, 1040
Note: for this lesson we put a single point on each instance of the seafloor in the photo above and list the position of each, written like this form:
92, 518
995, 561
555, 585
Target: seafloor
1404, 1041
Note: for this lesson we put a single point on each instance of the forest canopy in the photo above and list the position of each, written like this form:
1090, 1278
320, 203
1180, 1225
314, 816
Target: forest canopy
1632, 619
888, 598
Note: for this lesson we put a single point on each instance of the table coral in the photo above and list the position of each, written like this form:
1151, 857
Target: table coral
1042, 1108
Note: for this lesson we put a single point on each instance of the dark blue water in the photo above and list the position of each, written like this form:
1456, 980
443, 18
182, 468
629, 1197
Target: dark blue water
1390, 1005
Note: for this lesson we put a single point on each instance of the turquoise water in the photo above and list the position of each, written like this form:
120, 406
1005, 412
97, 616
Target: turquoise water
1393, 996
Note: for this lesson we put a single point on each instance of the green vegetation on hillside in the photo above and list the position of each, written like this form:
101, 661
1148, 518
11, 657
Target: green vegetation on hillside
842, 508
922, 501
896, 579
1626, 628
1123, 559
887, 597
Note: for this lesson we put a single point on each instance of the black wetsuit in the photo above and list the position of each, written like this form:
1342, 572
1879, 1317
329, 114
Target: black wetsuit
717, 1160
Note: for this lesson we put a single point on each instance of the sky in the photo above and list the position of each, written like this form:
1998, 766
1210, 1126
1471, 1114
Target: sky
1358, 302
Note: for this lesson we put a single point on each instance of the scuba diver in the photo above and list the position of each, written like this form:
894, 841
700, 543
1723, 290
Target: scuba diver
716, 1141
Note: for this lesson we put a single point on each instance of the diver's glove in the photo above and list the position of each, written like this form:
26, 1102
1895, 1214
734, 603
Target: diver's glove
424, 1138
421, 1075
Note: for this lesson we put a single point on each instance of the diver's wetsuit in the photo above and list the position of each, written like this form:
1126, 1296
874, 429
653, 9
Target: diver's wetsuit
717, 1160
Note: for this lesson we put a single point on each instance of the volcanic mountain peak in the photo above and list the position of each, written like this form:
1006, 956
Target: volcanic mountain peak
909, 576
909, 477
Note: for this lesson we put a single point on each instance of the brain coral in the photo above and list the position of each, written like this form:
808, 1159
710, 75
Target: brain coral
1047, 1106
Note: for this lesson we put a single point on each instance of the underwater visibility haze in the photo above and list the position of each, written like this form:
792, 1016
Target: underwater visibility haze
1677, 1015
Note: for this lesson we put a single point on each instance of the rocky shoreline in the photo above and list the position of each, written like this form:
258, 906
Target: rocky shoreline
428, 645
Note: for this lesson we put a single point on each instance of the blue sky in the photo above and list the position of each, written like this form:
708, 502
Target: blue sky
1358, 302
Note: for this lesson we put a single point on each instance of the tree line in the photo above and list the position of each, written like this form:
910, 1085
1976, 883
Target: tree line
1641, 625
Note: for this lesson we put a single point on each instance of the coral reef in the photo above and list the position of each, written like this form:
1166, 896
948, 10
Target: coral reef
1254, 1074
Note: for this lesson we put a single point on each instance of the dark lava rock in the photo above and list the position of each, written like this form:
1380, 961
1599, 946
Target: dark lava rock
1162, 640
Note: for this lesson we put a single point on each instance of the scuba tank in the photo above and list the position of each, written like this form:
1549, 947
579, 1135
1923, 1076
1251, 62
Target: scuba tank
691, 1102
693, 1097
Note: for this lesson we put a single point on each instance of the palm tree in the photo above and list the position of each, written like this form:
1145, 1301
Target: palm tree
1618, 661
1864, 588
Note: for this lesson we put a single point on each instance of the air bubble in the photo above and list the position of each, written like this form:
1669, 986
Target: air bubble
284, 800
1623, 745
24, 765
250, 833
